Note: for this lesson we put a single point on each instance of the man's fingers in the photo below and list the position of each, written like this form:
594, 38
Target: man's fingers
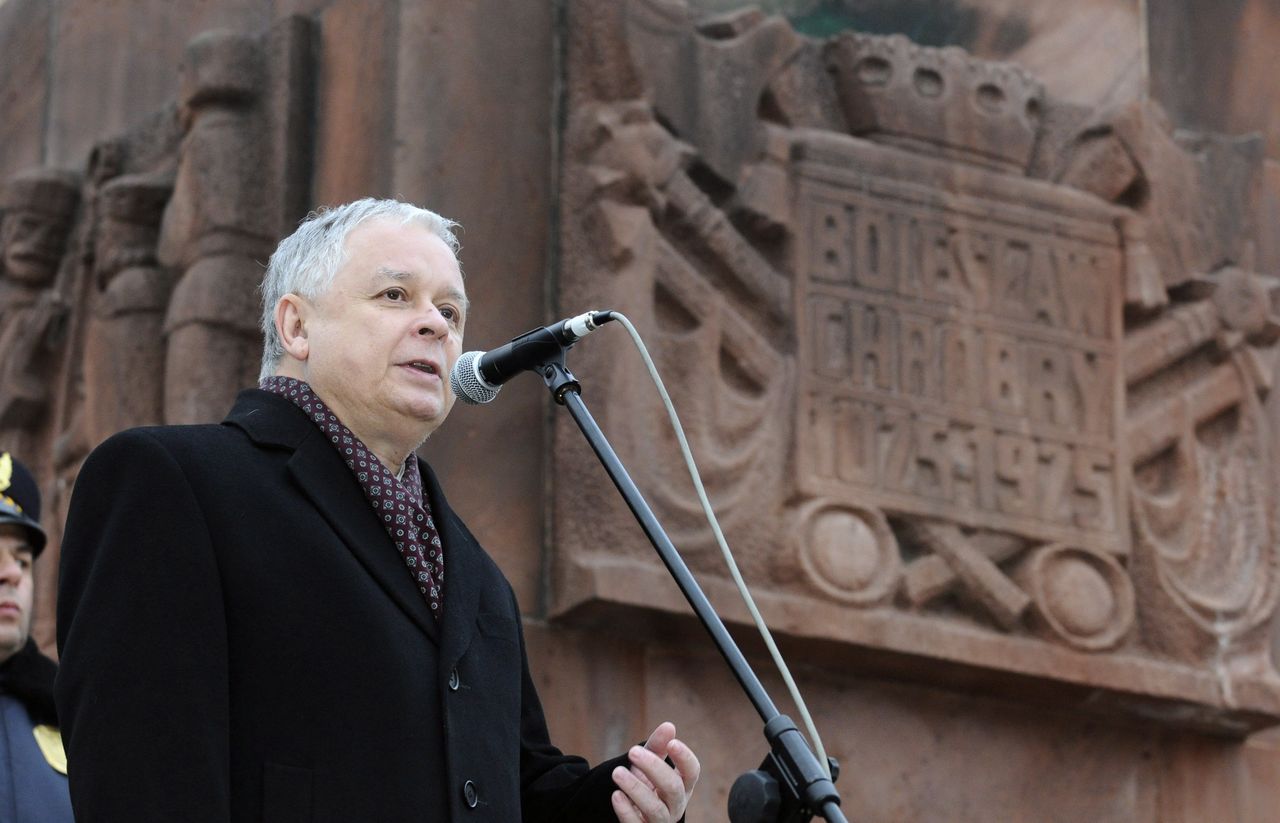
648, 805
660, 737
656, 789
687, 765
642, 777
667, 784
625, 809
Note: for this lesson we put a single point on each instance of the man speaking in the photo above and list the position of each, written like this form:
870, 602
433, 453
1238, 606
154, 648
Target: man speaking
279, 618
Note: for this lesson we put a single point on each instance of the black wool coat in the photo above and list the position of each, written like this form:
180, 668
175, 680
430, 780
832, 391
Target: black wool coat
241, 641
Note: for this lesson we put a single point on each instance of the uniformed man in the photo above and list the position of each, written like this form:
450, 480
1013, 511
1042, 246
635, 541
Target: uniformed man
33, 782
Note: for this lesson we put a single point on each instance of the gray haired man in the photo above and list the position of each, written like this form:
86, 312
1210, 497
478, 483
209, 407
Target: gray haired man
280, 617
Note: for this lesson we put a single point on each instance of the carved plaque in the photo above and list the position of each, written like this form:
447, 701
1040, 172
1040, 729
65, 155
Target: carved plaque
958, 353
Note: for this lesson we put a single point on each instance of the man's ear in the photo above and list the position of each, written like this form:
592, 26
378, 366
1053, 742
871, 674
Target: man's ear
291, 326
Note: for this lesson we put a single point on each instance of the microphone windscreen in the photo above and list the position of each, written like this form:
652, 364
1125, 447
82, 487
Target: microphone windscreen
467, 384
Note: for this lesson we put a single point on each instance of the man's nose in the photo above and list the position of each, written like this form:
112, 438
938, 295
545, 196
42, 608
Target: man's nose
432, 322
10, 570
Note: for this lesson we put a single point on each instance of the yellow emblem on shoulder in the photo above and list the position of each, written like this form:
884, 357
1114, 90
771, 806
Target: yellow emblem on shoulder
49, 739
6, 470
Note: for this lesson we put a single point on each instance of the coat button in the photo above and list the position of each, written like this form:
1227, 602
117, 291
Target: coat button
454, 682
469, 794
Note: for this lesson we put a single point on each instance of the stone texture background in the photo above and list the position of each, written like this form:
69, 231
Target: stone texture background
536, 124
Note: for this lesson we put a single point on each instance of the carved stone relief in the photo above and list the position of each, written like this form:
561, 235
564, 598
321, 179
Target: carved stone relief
130, 289
965, 372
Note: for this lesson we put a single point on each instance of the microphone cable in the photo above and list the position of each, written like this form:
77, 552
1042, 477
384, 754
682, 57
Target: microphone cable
687, 453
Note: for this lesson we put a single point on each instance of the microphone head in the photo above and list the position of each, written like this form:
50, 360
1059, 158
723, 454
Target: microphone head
468, 385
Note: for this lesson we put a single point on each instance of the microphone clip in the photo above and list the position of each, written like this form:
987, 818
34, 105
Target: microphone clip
559, 379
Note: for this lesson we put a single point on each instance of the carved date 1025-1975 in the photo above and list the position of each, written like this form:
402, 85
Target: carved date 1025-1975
960, 361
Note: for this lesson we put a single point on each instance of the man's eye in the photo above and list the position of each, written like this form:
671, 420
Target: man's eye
394, 294
448, 313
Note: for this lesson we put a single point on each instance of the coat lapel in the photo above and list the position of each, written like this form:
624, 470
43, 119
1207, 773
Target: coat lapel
463, 572
315, 466
323, 477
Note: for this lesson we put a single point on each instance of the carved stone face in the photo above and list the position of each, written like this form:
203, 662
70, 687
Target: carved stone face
131, 209
33, 244
119, 245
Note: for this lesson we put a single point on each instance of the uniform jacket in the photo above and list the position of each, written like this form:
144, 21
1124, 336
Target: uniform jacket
240, 641
32, 789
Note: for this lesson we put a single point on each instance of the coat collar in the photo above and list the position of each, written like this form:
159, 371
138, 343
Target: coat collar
269, 419
274, 422
318, 469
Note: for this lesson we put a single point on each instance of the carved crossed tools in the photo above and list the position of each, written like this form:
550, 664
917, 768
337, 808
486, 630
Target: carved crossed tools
1074, 595
1238, 312
955, 559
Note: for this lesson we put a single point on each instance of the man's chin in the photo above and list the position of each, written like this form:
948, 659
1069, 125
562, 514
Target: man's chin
11, 640
426, 416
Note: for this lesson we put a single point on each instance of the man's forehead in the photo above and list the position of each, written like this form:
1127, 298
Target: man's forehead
394, 237
394, 243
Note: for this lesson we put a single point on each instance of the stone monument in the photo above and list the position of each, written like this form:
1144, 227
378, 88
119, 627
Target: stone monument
975, 349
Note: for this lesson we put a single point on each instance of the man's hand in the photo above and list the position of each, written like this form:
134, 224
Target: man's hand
652, 791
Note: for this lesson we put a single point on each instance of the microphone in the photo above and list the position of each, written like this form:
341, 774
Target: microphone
477, 376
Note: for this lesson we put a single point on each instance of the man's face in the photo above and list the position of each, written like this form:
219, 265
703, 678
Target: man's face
33, 244
16, 587
383, 338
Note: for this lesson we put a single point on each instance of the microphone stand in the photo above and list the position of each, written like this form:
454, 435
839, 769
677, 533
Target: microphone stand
790, 786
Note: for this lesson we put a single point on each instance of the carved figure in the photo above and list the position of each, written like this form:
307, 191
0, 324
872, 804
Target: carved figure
217, 228
39, 207
124, 357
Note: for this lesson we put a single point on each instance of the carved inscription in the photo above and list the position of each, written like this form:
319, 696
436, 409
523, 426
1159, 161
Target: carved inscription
959, 359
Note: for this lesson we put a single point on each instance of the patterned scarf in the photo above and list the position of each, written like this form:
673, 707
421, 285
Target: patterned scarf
399, 503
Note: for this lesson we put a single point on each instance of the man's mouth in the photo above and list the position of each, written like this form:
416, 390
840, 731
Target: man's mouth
422, 366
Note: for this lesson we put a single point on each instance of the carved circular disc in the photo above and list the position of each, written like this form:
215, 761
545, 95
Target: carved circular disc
1242, 300
1079, 596
1084, 597
848, 552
